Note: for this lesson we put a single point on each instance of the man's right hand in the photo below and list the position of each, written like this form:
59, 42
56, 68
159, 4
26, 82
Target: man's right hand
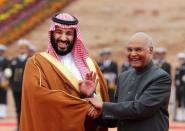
88, 86
96, 110
93, 112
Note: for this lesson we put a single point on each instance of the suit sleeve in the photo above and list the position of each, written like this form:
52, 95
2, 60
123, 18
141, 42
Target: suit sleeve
156, 95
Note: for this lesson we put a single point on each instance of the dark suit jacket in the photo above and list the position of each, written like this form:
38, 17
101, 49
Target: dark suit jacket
166, 67
111, 68
180, 85
4, 63
17, 67
142, 100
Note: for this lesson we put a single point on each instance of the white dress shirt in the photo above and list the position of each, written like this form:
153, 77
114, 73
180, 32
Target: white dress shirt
69, 63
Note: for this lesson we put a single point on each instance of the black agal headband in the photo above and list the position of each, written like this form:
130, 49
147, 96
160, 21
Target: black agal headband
64, 22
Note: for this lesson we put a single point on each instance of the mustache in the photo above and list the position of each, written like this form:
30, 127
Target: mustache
63, 41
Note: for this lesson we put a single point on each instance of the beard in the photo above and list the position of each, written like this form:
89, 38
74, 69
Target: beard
58, 50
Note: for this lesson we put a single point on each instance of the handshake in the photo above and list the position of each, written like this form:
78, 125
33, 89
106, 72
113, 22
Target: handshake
87, 88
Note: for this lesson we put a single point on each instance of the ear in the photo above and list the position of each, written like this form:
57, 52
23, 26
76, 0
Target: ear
151, 50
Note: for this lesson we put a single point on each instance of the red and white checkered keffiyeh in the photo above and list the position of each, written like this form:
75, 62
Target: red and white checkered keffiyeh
79, 51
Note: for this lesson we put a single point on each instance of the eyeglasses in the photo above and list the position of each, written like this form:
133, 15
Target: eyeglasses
136, 50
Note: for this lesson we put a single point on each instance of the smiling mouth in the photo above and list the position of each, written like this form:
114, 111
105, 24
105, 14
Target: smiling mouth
135, 61
62, 45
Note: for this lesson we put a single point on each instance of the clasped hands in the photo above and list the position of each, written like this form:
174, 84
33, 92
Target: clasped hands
87, 88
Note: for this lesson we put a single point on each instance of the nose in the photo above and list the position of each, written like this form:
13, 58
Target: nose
133, 53
63, 37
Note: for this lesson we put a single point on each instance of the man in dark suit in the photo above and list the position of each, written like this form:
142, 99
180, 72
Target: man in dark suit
180, 87
142, 94
17, 67
4, 83
160, 59
109, 69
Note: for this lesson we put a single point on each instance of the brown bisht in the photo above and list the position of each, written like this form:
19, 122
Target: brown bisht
51, 100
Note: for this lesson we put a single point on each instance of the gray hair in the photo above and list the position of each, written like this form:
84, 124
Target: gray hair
148, 38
